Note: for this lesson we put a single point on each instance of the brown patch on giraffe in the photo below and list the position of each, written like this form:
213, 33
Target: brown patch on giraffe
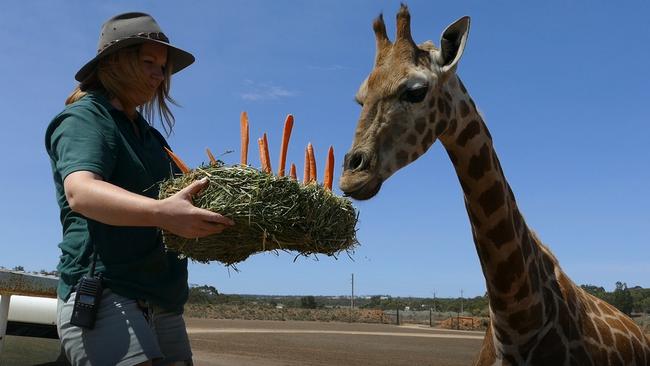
534, 276
632, 327
427, 140
441, 126
487, 132
526, 247
402, 158
580, 357
420, 125
639, 353
471, 130
523, 291
598, 354
524, 349
414, 156
615, 359
566, 322
476, 222
480, 164
451, 130
397, 129
550, 350
605, 333
527, 319
508, 271
501, 334
462, 86
448, 96
432, 102
432, 117
550, 309
589, 329
387, 143
624, 347
492, 199
412, 139
501, 234
463, 108
615, 323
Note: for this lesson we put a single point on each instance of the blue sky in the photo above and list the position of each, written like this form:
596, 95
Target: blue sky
563, 86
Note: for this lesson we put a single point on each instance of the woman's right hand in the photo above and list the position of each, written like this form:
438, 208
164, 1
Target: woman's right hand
179, 215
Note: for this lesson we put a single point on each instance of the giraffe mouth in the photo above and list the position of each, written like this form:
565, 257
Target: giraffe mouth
360, 190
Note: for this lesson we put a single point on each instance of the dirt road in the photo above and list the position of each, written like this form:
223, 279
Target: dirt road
271, 343
290, 343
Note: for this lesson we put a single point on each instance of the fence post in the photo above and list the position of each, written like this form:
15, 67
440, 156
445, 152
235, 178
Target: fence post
397, 316
430, 317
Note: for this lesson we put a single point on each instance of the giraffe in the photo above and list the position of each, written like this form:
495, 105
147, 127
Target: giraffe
538, 316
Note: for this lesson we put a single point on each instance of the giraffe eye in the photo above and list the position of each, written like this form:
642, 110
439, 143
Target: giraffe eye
416, 94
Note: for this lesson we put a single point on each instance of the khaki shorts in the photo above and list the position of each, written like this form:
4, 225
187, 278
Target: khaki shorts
124, 334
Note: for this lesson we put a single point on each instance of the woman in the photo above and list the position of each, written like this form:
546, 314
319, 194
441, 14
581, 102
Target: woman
107, 162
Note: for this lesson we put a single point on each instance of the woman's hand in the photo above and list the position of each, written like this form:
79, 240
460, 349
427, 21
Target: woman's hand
179, 216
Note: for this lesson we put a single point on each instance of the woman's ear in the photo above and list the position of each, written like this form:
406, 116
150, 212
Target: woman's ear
452, 44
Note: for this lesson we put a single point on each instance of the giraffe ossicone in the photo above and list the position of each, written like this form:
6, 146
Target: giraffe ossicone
538, 316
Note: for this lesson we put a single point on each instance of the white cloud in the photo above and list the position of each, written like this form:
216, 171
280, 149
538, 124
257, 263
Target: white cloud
264, 91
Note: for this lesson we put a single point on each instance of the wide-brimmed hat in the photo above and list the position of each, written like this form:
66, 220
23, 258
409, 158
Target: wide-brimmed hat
129, 29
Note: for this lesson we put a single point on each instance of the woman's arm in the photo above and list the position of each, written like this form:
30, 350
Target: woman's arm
94, 198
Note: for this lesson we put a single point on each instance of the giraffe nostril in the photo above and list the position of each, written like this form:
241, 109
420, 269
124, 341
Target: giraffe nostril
356, 161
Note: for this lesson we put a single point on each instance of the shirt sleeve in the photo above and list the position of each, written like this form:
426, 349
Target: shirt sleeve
79, 143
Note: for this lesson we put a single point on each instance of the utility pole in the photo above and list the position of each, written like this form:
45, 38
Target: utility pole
461, 300
352, 298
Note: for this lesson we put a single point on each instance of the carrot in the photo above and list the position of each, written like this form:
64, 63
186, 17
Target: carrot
260, 143
305, 178
213, 161
312, 163
243, 122
286, 134
329, 169
266, 154
292, 174
179, 163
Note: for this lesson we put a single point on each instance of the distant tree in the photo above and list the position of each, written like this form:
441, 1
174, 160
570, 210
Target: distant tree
622, 298
19, 268
308, 302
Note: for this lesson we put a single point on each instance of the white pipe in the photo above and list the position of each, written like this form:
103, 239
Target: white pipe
4, 315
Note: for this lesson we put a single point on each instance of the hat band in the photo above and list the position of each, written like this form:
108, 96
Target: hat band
157, 36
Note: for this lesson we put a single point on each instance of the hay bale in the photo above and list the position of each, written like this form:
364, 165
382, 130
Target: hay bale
271, 213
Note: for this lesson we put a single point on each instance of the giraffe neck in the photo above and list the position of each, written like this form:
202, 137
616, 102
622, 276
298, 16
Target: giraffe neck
508, 252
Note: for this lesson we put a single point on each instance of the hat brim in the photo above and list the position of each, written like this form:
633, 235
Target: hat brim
179, 58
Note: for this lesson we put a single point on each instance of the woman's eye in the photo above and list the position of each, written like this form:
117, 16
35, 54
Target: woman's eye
415, 95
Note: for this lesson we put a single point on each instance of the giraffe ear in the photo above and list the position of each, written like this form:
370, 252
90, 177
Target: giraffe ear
452, 44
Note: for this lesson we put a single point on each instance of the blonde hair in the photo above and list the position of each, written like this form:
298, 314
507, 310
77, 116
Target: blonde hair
119, 75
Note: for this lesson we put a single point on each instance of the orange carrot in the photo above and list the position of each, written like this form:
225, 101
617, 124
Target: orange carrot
305, 178
266, 154
292, 174
179, 163
260, 143
312, 163
286, 134
329, 169
213, 161
243, 122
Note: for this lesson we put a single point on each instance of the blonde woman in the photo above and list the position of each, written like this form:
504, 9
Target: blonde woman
107, 161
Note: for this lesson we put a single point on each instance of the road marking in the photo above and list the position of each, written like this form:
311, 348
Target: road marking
301, 331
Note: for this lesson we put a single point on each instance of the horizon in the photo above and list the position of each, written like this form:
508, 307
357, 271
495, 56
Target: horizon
562, 86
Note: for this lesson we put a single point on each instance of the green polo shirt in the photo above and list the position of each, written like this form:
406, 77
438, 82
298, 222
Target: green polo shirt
92, 135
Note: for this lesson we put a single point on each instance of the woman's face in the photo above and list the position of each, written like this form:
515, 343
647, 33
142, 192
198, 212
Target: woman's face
153, 58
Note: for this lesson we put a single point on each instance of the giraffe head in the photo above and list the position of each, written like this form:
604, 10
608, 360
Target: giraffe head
398, 119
